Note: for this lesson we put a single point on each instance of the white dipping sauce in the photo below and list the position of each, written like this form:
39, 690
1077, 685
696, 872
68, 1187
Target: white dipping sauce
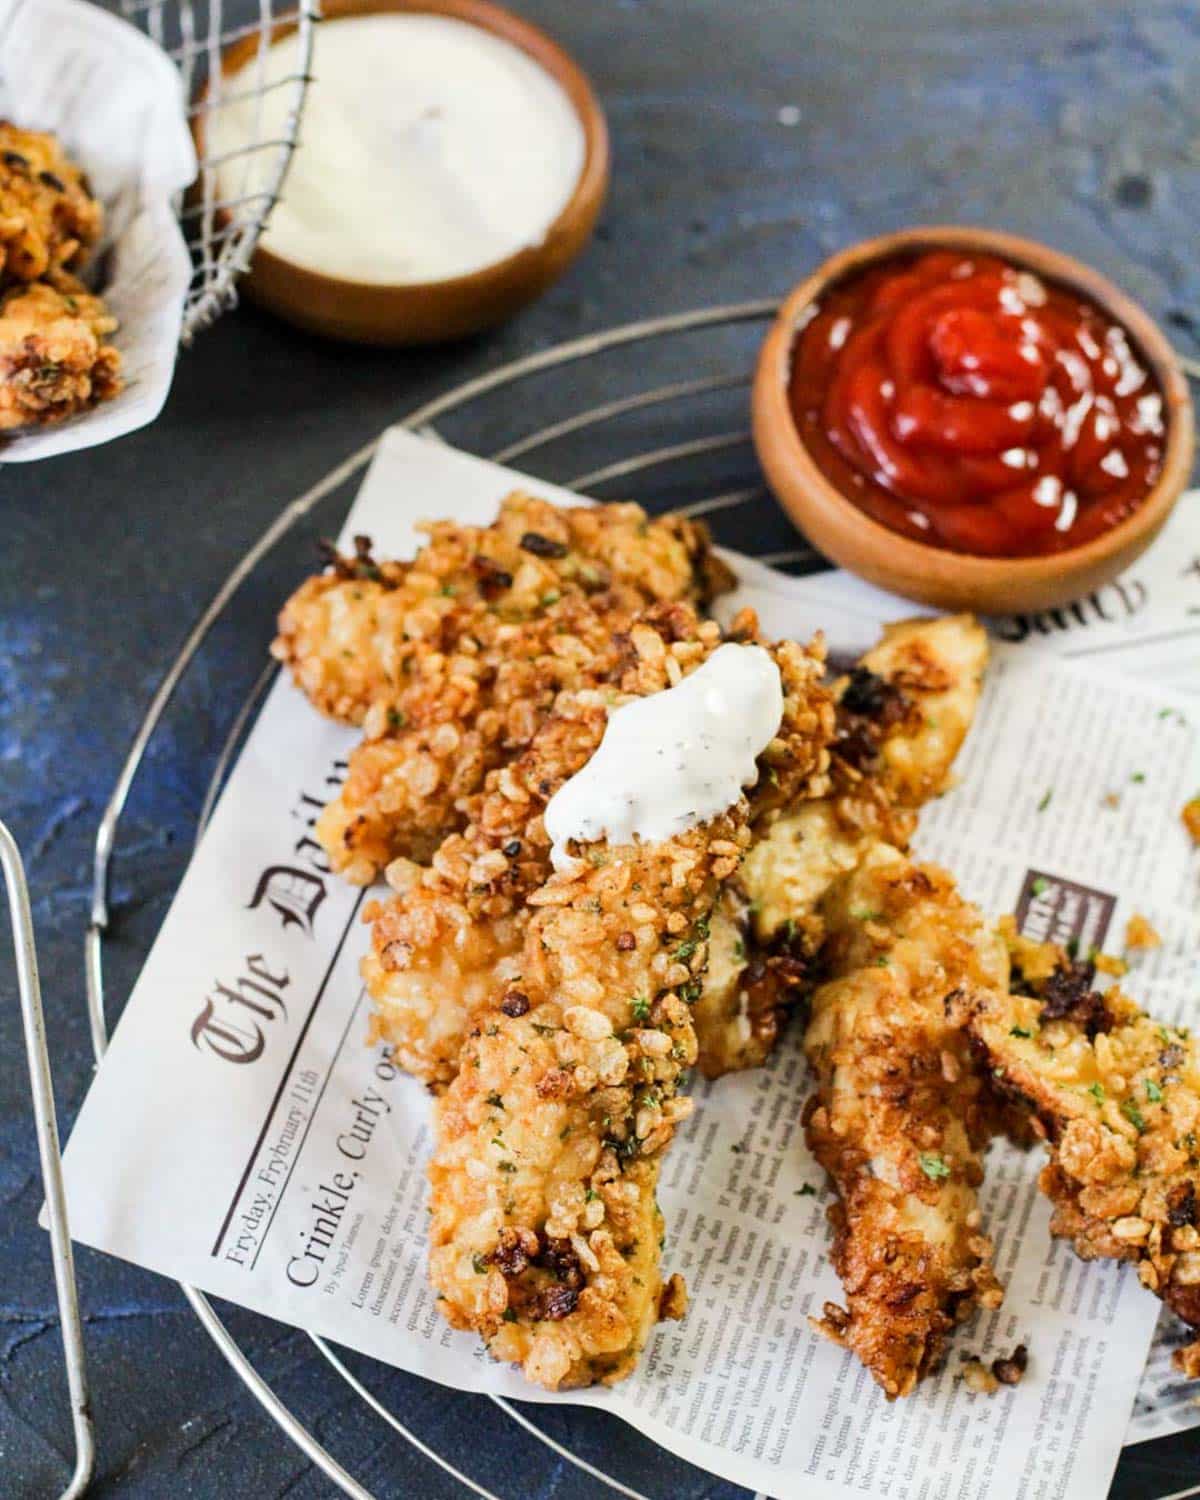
674, 759
429, 148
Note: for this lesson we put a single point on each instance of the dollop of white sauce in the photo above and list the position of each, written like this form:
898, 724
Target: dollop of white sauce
674, 759
429, 148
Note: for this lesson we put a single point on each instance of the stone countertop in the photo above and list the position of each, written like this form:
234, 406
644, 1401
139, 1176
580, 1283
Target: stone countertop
749, 142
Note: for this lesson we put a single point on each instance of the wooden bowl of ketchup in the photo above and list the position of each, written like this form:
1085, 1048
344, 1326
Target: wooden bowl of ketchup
972, 420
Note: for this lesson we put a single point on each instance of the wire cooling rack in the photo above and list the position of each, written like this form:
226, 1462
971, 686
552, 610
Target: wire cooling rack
678, 440
222, 227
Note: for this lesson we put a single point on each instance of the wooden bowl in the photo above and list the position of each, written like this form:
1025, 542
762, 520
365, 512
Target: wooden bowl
432, 312
933, 575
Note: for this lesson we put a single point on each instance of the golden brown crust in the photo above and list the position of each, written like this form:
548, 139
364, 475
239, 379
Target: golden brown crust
1117, 1097
545, 1231
49, 221
452, 929
452, 662
54, 362
902, 715
900, 1117
364, 640
544, 1227
447, 939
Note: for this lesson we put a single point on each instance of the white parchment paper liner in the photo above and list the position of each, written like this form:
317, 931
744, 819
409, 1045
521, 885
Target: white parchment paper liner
114, 100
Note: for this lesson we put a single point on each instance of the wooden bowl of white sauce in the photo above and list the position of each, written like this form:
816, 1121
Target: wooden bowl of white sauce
452, 162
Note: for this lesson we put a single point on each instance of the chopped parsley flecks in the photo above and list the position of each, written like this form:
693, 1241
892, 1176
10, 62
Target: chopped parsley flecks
1044, 803
933, 1166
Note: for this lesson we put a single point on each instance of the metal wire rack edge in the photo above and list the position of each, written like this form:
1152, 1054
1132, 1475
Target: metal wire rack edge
422, 418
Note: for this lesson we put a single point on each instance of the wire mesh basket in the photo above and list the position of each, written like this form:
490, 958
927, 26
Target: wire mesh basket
222, 227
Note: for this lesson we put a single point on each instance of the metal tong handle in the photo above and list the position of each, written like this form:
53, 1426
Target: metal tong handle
34, 1024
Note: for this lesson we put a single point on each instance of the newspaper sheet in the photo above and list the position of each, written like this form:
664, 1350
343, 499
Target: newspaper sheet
241, 1135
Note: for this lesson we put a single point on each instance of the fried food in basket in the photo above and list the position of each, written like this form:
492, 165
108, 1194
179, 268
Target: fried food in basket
49, 221
900, 1116
903, 714
54, 361
1117, 1096
545, 1232
452, 662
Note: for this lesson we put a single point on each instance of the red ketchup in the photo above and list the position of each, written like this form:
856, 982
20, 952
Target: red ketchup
963, 402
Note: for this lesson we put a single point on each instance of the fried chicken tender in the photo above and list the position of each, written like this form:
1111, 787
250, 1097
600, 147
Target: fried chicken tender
54, 362
545, 1231
49, 220
1117, 1096
903, 714
900, 1117
354, 635
451, 936
451, 664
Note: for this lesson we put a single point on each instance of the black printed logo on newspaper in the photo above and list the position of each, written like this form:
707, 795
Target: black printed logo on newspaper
1053, 910
293, 893
1114, 602
232, 1019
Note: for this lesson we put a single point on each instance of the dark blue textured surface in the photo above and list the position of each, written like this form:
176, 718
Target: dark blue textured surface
1074, 122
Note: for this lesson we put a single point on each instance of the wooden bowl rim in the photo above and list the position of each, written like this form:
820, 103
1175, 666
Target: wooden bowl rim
589, 187
906, 554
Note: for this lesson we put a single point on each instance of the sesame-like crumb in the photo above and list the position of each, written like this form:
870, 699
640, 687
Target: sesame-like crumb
979, 1379
1140, 933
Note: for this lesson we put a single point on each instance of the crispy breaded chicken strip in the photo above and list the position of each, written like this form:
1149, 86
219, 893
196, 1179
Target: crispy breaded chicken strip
900, 1117
451, 936
406, 791
903, 714
452, 664
54, 362
938, 666
48, 218
367, 639
1117, 1096
545, 1230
